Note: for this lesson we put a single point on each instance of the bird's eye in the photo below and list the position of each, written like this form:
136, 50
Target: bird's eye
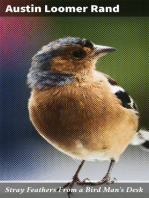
78, 53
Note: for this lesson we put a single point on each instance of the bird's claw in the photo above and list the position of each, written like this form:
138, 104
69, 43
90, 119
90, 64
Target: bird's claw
105, 180
70, 184
75, 180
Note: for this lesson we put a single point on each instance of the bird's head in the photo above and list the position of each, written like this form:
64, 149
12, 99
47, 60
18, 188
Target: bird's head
65, 57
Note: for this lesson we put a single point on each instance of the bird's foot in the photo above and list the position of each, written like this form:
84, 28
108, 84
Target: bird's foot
105, 180
69, 185
75, 180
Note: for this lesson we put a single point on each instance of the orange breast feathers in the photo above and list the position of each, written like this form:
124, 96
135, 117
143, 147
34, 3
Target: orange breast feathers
83, 118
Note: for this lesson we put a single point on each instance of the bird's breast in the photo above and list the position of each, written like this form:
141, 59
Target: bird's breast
82, 120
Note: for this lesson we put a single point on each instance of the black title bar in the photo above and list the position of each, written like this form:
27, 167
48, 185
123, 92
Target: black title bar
113, 8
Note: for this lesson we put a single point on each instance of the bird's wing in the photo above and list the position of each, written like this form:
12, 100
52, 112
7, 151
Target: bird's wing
142, 136
121, 94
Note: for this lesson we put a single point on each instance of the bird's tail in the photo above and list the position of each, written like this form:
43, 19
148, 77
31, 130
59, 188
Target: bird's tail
142, 139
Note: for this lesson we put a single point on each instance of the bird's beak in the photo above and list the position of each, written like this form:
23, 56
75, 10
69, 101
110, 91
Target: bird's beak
100, 50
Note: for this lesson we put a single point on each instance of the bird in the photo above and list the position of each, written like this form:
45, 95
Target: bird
82, 112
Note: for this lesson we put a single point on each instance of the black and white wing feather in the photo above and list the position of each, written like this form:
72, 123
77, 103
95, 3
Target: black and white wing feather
142, 136
121, 94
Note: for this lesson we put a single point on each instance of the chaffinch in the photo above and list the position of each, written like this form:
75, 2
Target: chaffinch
80, 111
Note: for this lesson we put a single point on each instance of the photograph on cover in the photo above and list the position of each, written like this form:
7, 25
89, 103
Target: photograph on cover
26, 155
